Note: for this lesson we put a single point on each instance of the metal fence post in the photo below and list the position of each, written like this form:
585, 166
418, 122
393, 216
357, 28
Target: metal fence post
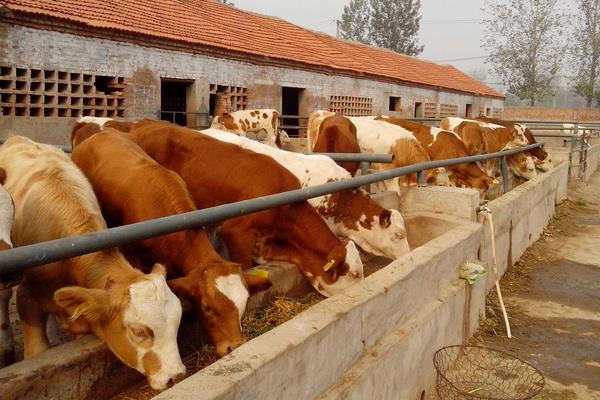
505, 177
421, 178
364, 169
573, 145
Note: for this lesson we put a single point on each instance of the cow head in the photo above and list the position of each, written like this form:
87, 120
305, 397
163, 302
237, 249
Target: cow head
329, 273
385, 235
138, 321
373, 228
518, 138
219, 294
522, 165
226, 122
343, 270
543, 165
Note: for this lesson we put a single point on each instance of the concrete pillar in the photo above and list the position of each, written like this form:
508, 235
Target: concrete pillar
197, 101
142, 95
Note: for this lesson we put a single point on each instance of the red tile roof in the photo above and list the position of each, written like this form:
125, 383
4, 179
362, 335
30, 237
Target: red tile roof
214, 25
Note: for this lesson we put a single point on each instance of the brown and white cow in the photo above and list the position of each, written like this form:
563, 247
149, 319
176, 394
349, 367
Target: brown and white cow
539, 155
337, 134
350, 213
132, 187
136, 314
88, 126
218, 173
380, 137
443, 145
7, 212
495, 138
250, 121
314, 122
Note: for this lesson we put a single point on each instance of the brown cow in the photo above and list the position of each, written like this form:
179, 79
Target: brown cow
219, 173
540, 156
88, 126
495, 138
444, 145
131, 187
136, 314
337, 134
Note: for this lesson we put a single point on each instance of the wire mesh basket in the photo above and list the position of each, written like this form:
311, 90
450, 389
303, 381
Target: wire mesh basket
474, 372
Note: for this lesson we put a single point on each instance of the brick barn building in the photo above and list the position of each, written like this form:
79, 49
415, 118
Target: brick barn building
139, 58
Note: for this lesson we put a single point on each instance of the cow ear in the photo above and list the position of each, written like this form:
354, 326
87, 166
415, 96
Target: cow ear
90, 304
256, 283
184, 290
2, 176
159, 269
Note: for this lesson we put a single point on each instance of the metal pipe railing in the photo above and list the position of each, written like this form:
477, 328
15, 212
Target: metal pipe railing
357, 157
34, 255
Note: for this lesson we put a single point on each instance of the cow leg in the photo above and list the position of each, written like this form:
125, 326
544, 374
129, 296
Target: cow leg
7, 340
33, 322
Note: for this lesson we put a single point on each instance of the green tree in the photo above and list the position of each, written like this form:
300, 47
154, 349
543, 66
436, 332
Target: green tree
355, 21
523, 39
395, 25
584, 51
392, 24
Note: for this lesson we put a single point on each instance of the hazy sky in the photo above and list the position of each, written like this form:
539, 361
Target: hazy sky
449, 28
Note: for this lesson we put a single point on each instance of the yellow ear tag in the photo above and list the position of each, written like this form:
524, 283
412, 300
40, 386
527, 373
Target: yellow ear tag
328, 266
495, 181
261, 273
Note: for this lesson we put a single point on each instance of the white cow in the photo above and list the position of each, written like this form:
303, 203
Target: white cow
352, 213
380, 137
250, 121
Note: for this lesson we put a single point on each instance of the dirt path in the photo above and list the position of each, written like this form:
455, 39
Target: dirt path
553, 300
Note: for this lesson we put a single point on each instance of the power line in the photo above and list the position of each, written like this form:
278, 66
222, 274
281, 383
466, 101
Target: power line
451, 21
461, 59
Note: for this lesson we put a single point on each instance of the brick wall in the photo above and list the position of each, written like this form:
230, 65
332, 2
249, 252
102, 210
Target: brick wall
143, 67
552, 114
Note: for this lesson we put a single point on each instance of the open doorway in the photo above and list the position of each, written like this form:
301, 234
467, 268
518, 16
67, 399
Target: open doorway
291, 98
418, 110
488, 112
173, 100
469, 111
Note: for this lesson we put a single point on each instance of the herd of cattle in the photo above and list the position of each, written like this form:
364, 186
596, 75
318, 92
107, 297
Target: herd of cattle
127, 172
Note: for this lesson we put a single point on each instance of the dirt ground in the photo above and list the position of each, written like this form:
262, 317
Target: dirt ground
553, 301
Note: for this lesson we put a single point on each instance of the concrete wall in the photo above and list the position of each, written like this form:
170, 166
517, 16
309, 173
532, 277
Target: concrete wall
521, 216
552, 114
143, 67
561, 154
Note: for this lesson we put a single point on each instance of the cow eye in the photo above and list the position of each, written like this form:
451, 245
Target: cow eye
138, 332
141, 332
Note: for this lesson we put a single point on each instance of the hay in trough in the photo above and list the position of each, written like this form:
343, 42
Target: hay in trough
281, 310
199, 359
254, 324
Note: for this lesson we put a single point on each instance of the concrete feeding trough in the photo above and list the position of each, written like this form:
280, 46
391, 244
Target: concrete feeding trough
384, 329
